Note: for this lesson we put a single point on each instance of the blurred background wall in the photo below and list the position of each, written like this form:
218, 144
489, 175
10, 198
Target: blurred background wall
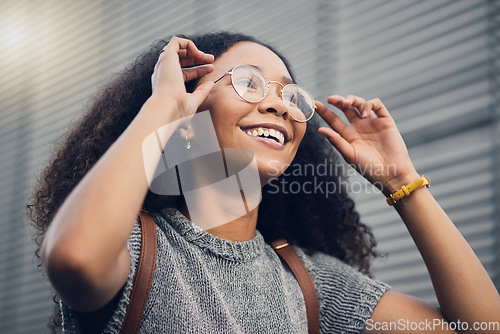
434, 63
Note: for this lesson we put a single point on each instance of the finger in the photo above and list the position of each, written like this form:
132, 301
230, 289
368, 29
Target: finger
330, 117
377, 107
177, 43
357, 103
186, 51
190, 55
339, 142
201, 92
345, 104
191, 73
337, 101
367, 110
198, 59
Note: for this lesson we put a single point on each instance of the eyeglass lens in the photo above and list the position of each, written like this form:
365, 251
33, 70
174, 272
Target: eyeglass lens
251, 85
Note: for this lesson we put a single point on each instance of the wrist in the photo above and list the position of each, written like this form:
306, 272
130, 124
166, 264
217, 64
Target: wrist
394, 184
408, 189
165, 107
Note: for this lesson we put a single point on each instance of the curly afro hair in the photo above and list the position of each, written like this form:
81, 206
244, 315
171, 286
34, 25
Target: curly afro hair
313, 221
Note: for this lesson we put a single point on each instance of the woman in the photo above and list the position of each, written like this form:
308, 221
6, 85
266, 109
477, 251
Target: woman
226, 279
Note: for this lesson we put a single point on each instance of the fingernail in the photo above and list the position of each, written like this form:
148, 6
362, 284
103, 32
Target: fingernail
365, 113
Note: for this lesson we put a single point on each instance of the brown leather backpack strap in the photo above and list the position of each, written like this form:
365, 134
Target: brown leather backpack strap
306, 283
143, 276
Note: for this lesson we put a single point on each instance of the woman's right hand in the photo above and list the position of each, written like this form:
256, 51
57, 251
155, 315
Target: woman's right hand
170, 74
84, 251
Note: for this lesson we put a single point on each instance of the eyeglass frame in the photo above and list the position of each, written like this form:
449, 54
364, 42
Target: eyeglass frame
230, 72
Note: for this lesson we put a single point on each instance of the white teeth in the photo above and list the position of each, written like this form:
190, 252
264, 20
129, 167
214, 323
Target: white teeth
267, 133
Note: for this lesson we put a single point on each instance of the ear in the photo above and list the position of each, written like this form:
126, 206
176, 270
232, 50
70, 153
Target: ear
186, 132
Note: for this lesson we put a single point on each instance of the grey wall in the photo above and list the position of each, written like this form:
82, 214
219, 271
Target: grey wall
434, 64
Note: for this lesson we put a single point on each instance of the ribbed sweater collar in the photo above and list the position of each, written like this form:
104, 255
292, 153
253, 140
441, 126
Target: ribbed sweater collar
240, 251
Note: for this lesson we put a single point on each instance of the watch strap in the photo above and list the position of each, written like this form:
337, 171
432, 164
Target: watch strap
424, 181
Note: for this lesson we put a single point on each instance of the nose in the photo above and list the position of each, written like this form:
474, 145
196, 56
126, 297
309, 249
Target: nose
273, 102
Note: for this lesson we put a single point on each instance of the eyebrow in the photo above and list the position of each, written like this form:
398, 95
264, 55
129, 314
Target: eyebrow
286, 80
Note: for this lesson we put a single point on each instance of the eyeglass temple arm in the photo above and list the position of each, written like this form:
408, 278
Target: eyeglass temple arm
228, 72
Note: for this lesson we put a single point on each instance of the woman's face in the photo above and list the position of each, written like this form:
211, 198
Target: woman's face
234, 117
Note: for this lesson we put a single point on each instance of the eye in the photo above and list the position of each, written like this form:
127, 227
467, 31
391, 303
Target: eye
291, 96
248, 83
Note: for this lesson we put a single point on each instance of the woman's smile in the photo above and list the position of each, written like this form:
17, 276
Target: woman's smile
271, 134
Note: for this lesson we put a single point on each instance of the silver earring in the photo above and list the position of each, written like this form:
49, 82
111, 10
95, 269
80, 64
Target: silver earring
188, 145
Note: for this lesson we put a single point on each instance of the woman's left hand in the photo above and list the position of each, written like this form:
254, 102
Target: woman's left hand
371, 143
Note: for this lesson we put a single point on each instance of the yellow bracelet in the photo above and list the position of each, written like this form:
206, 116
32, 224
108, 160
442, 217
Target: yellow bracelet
407, 190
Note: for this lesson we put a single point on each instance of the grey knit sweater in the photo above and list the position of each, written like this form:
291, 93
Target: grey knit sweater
204, 284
